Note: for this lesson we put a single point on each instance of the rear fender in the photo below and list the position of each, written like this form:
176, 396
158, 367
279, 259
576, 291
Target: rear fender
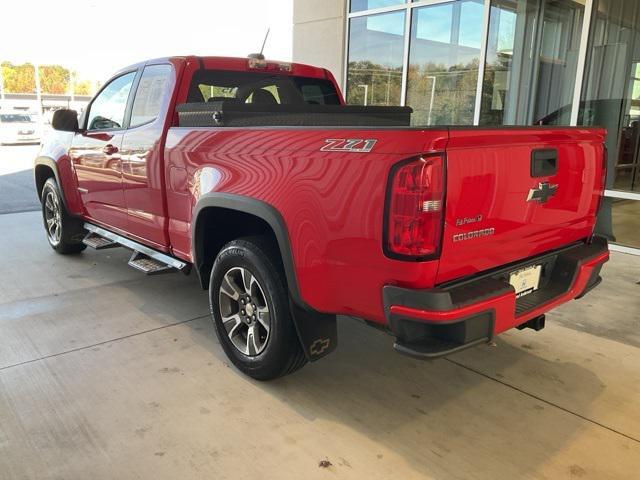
317, 331
43, 168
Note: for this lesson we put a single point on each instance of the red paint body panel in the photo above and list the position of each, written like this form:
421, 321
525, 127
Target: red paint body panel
333, 202
489, 174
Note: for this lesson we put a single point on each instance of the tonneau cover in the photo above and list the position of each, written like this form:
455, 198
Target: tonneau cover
231, 113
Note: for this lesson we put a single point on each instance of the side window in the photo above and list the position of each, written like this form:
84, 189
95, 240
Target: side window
108, 109
149, 94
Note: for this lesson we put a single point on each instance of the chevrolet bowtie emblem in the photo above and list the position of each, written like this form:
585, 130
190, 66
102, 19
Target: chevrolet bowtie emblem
543, 193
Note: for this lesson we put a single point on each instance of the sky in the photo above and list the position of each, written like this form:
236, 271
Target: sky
97, 38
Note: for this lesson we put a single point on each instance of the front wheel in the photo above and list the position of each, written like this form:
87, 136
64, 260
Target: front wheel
64, 232
250, 308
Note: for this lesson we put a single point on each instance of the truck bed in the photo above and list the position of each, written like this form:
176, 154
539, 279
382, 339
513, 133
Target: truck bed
488, 172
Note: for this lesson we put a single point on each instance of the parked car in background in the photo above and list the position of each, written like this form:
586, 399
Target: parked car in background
17, 127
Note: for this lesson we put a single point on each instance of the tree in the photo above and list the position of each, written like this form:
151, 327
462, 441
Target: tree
18, 78
54, 79
83, 87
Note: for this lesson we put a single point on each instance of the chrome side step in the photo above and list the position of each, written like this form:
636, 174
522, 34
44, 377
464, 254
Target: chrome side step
99, 243
148, 265
145, 259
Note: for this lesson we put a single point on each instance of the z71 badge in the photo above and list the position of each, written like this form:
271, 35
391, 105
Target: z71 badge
352, 145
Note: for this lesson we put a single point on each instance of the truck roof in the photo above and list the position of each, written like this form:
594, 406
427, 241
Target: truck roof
237, 64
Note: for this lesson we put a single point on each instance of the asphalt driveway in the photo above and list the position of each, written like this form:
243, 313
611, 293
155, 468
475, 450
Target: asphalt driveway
17, 191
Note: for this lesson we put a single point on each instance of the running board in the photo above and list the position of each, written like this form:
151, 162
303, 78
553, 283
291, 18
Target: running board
97, 242
145, 259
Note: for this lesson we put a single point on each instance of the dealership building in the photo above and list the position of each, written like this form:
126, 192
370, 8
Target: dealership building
495, 62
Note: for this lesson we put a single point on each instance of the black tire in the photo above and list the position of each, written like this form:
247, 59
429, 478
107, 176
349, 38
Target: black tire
64, 232
280, 352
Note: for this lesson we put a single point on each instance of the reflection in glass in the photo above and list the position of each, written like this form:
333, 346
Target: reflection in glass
626, 222
532, 58
611, 93
108, 109
374, 73
360, 5
444, 55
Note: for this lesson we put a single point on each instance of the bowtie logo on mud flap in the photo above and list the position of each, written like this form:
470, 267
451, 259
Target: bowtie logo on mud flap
319, 346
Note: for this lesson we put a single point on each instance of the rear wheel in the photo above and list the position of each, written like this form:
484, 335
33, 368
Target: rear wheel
64, 232
250, 308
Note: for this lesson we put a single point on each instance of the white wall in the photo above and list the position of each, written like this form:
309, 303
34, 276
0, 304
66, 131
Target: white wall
319, 34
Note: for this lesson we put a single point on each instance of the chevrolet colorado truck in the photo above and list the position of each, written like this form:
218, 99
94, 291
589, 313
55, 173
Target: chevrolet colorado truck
293, 208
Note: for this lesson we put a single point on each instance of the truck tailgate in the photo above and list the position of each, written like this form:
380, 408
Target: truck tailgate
507, 201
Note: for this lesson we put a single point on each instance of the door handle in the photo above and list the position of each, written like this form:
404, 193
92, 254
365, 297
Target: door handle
544, 163
109, 149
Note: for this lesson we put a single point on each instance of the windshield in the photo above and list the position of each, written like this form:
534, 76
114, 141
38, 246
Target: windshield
15, 118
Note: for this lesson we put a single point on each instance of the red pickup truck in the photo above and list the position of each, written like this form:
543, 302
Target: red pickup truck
293, 207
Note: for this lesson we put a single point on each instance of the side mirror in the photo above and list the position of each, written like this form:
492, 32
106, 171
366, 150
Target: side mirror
65, 120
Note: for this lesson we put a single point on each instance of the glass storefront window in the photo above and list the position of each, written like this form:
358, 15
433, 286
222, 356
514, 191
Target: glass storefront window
611, 92
626, 222
532, 59
611, 99
444, 55
376, 48
361, 5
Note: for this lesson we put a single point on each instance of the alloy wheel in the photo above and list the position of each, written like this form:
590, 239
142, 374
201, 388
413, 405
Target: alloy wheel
244, 311
53, 217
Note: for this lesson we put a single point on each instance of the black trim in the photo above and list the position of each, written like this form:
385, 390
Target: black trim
429, 341
131, 98
85, 115
317, 331
593, 282
443, 299
48, 162
137, 85
426, 339
544, 162
387, 206
259, 209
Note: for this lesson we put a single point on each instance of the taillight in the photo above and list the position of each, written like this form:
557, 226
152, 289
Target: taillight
415, 207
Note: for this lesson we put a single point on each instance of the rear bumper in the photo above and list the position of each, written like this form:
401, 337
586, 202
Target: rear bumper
440, 321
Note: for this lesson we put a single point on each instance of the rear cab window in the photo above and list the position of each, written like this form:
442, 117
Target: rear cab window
260, 88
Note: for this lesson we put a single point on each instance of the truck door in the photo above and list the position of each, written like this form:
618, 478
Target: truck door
142, 156
95, 153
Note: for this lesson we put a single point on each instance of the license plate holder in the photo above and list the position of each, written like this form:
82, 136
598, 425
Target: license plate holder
526, 280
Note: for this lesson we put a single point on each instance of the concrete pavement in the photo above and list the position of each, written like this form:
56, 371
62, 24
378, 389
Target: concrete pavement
105, 374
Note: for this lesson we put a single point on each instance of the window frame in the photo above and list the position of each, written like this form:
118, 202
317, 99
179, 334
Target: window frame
128, 106
409, 5
134, 88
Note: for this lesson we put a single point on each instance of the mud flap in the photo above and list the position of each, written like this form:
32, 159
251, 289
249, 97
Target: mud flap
318, 332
